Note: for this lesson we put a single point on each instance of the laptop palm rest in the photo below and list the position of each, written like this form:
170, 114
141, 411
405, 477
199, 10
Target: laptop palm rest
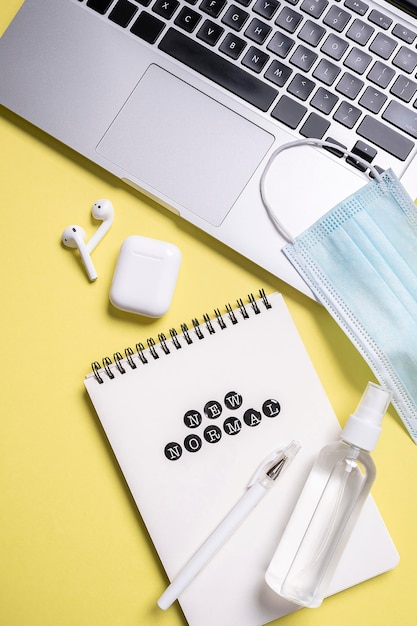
181, 142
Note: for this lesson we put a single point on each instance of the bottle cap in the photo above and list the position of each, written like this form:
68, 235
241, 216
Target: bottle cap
364, 425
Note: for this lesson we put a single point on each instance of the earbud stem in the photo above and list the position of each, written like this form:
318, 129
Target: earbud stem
98, 235
89, 265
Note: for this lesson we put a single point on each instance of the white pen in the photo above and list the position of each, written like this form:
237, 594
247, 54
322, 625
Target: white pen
262, 480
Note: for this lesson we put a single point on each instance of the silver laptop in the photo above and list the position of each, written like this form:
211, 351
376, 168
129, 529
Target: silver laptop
185, 100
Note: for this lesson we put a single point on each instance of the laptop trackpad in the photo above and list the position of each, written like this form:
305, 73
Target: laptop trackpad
196, 152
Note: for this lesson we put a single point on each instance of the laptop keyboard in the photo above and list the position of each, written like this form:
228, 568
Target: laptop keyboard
336, 70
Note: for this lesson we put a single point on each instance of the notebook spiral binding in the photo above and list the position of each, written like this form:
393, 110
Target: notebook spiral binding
162, 348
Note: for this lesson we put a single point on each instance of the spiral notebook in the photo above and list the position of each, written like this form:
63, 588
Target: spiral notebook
190, 417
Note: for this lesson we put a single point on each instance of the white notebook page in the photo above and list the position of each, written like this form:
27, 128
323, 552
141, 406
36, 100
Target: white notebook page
231, 398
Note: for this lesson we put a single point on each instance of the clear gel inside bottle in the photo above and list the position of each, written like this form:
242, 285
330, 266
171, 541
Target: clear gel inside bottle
329, 506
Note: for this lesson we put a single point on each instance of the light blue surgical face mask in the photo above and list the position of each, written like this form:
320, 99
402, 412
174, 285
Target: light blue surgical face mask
360, 261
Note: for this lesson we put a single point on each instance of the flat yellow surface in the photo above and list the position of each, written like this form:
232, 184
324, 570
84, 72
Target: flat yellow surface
73, 549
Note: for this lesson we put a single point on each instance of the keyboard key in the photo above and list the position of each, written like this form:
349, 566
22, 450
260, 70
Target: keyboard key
213, 7
404, 88
401, 117
235, 17
218, 69
357, 60
356, 163
288, 20
357, 6
123, 13
381, 74
383, 46
335, 147
406, 60
403, 33
363, 150
187, 19
301, 87
280, 44
384, 137
372, 100
210, 32
165, 8
257, 31
289, 112
324, 101
314, 9
100, 6
311, 33
233, 46
266, 8
334, 47
347, 114
326, 72
349, 86
337, 18
255, 59
315, 126
278, 73
360, 32
303, 58
378, 18
147, 27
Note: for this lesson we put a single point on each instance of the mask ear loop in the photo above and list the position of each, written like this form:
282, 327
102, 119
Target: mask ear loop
319, 143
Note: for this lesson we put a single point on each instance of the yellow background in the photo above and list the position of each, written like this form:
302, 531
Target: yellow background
73, 550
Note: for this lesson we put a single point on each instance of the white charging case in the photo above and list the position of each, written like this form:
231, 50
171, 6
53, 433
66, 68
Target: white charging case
145, 276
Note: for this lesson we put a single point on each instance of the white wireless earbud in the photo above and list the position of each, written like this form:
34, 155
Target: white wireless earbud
74, 237
101, 210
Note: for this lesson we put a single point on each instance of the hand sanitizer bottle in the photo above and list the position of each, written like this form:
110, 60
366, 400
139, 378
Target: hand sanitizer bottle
328, 507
